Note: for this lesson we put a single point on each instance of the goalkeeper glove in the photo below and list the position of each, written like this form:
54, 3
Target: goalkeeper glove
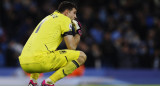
77, 26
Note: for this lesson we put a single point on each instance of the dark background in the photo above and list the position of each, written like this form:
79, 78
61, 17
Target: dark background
117, 33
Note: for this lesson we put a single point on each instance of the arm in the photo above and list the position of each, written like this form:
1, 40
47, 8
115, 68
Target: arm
72, 41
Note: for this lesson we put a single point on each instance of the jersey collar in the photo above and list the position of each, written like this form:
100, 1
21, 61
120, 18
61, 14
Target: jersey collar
57, 12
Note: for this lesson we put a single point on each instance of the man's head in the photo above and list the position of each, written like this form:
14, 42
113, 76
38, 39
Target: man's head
68, 9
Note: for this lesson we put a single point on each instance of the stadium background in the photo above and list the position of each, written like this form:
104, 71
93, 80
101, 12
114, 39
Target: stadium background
121, 39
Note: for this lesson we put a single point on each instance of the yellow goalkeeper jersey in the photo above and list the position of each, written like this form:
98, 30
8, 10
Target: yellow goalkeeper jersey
48, 34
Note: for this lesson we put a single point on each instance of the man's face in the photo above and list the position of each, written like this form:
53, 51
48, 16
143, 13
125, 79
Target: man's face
72, 14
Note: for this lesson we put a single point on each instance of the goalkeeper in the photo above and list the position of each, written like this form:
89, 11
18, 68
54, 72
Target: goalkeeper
39, 54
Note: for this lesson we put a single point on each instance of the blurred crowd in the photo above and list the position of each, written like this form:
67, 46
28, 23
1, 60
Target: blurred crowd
117, 33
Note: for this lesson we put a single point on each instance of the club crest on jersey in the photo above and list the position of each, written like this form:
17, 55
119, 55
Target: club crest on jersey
70, 27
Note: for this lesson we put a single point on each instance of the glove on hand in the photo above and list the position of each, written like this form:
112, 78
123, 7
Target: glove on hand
77, 26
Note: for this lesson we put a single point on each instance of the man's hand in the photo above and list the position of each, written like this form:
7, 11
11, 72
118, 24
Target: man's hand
77, 26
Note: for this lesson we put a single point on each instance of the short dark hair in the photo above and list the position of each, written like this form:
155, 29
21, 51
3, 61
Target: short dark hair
66, 5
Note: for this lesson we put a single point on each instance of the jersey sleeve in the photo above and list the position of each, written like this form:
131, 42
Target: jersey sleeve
66, 27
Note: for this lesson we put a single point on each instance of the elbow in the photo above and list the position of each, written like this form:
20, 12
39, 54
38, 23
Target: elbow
72, 47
